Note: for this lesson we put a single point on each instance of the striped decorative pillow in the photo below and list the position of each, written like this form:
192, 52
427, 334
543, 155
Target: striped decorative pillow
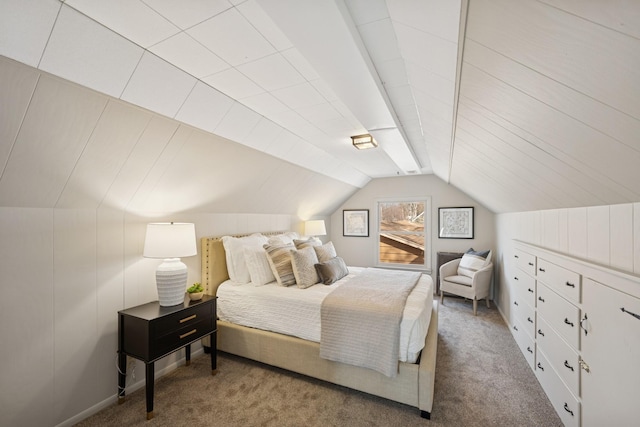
279, 257
473, 261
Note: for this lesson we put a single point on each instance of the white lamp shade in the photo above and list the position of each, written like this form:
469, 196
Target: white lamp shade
315, 228
170, 240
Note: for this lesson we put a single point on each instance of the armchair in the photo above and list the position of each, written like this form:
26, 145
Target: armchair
476, 286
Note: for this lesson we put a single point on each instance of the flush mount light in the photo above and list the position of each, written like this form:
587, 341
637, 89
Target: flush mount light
362, 142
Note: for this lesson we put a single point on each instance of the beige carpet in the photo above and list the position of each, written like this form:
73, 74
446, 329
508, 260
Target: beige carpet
482, 379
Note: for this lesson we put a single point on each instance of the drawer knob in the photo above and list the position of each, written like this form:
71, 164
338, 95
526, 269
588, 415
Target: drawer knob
566, 321
516, 278
530, 290
540, 299
516, 256
542, 269
566, 364
529, 320
191, 332
540, 367
515, 328
566, 408
531, 264
515, 303
571, 285
540, 332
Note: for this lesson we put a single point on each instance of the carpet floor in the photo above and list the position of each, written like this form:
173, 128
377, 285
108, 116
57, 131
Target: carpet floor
482, 379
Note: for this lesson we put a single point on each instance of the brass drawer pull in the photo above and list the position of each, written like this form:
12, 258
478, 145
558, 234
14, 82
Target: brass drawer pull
186, 319
191, 332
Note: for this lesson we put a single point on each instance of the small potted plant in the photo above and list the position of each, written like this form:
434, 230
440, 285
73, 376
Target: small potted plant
195, 291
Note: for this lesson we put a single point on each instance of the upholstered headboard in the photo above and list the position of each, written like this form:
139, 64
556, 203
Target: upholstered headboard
214, 261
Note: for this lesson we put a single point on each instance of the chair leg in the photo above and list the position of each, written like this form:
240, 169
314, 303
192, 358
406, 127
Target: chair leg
488, 303
475, 307
441, 297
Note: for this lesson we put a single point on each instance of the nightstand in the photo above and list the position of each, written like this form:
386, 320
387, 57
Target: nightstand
149, 332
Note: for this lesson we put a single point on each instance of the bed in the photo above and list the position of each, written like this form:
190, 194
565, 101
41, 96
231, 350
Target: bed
412, 385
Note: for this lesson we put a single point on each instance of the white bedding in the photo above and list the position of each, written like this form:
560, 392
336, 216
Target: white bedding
294, 311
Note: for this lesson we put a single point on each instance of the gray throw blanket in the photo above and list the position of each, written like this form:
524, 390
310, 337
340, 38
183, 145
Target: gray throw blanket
361, 319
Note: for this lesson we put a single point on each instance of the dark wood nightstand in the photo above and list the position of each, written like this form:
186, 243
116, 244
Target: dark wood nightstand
149, 332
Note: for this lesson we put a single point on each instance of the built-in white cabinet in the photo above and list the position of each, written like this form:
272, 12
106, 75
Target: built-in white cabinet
578, 326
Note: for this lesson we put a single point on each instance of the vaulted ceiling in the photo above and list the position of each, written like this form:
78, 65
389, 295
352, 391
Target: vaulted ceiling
523, 105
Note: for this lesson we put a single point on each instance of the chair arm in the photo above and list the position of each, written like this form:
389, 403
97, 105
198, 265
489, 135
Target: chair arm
482, 279
449, 268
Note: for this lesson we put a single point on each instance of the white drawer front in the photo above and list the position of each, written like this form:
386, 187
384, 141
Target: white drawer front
525, 262
526, 315
525, 342
565, 403
561, 280
560, 314
525, 287
561, 356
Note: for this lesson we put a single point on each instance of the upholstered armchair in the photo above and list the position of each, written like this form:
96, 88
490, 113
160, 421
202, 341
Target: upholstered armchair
467, 281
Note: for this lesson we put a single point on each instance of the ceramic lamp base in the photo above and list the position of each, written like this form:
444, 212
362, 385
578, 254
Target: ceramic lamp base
171, 279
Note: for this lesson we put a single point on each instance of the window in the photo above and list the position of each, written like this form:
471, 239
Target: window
403, 235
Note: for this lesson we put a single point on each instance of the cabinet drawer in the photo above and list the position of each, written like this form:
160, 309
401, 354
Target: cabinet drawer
560, 314
526, 315
525, 287
565, 403
561, 356
525, 342
525, 262
561, 280
169, 324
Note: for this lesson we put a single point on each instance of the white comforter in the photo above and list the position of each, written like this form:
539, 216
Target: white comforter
296, 312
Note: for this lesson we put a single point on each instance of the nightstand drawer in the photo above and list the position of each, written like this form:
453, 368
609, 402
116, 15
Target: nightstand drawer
181, 337
182, 320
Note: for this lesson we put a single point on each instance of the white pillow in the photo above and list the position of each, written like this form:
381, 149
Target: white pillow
325, 252
473, 261
258, 265
234, 253
303, 262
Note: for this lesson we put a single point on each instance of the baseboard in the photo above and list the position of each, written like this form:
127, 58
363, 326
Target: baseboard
128, 390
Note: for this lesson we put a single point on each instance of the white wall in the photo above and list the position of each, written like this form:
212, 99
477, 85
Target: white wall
362, 251
606, 235
64, 274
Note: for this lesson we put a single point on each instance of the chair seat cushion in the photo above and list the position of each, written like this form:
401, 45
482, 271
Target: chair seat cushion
460, 280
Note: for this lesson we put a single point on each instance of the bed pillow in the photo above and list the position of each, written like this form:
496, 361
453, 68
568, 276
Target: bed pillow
284, 238
325, 252
279, 257
331, 271
473, 261
234, 254
258, 266
312, 241
303, 262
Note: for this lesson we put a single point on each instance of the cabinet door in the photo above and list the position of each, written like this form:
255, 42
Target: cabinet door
611, 349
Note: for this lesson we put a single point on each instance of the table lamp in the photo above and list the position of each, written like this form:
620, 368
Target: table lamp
314, 228
170, 241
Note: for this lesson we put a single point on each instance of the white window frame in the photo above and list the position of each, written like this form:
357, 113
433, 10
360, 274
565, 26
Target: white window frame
428, 232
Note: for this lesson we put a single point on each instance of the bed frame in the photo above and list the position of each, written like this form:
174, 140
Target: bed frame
414, 384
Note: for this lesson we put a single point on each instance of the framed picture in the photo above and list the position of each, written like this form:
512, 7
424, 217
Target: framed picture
355, 222
455, 223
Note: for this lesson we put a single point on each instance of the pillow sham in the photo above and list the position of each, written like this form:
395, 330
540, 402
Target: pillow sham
473, 261
258, 266
234, 254
303, 262
331, 271
325, 252
279, 257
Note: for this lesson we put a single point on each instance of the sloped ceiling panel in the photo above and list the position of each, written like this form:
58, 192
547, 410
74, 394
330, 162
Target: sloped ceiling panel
549, 105
69, 147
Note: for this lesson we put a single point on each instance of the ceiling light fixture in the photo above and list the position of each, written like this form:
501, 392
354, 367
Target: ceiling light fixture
362, 142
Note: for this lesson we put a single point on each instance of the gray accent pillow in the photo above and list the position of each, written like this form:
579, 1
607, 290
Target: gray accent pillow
325, 252
279, 257
331, 271
303, 262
